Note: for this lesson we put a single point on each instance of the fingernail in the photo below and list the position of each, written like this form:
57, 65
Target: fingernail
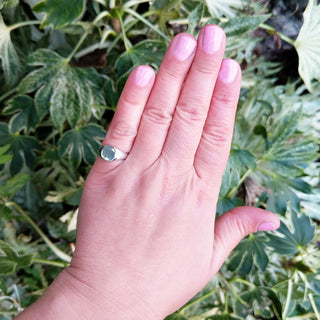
184, 47
212, 39
143, 76
228, 71
267, 226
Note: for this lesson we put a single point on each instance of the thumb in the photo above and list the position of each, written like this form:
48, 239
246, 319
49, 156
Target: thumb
234, 225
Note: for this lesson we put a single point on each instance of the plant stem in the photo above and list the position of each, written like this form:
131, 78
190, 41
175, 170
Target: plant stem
314, 307
8, 93
123, 31
145, 21
51, 263
289, 293
281, 35
77, 46
208, 294
232, 290
234, 190
23, 24
249, 284
63, 256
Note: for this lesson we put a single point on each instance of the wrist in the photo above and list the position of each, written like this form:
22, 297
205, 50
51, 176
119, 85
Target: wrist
69, 298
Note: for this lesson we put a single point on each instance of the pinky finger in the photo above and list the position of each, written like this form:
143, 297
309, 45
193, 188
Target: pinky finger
124, 126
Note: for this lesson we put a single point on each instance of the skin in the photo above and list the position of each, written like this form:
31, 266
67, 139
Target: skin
147, 237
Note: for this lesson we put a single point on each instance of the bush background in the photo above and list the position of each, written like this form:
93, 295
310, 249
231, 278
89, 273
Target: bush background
63, 66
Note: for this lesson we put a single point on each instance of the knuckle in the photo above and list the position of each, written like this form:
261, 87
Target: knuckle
190, 111
131, 97
218, 134
224, 99
121, 132
206, 67
158, 115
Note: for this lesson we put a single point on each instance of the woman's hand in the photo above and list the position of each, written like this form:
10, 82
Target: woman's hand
147, 239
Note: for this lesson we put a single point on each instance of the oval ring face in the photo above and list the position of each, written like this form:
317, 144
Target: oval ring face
108, 153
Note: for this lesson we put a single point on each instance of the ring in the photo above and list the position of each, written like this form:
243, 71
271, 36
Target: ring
110, 153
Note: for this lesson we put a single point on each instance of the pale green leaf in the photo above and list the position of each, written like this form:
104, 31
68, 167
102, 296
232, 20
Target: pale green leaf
64, 91
307, 45
59, 14
11, 186
219, 8
25, 117
240, 25
4, 157
81, 143
9, 58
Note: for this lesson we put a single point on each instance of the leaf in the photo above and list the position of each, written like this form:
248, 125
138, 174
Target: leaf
284, 241
219, 8
225, 316
8, 3
11, 186
176, 316
10, 260
145, 52
240, 25
307, 45
194, 19
4, 157
250, 252
64, 91
81, 143
26, 115
21, 146
263, 302
60, 14
9, 58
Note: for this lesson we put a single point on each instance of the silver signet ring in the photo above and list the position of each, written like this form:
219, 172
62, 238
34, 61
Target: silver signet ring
110, 153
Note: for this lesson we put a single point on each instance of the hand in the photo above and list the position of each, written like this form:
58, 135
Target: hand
147, 239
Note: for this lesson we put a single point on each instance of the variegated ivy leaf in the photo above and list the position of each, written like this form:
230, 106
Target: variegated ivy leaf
66, 92
60, 14
219, 8
81, 144
26, 116
307, 45
9, 58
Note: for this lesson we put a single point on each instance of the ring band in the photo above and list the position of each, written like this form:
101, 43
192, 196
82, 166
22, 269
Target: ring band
110, 153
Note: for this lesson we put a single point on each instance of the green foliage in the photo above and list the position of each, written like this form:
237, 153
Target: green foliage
61, 77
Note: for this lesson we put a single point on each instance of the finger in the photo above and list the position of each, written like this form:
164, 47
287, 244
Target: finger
234, 225
123, 128
157, 115
213, 151
192, 107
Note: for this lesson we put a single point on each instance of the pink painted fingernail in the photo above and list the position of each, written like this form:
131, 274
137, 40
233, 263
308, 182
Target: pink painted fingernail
143, 76
267, 226
212, 39
184, 47
228, 71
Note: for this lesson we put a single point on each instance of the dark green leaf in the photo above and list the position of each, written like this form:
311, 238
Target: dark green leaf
26, 115
58, 229
82, 143
285, 241
64, 91
11, 186
21, 146
176, 316
10, 260
8, 3
225, 204
240, 25
145, 52
224, 316
60, 14
250, 252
